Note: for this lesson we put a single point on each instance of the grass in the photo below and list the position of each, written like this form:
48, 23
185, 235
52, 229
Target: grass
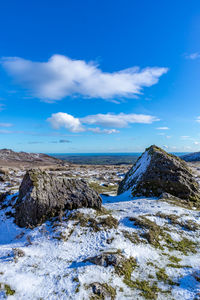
156, 234
103, 189
131, 236
162, 276
174, 259
147, 291
174, 220
154, 231
107, 222
125, 268
185, 245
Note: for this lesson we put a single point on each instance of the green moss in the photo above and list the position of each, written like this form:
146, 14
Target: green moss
5, 287
177, 266
162, 276
174, 259
111, 290
147, 291
125, 268
34, 177
185, 245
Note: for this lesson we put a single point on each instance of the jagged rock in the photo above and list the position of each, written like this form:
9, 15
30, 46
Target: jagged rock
42, 195
157, 172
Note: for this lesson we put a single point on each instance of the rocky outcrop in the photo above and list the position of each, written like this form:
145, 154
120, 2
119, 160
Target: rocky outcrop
157, 172
42, 196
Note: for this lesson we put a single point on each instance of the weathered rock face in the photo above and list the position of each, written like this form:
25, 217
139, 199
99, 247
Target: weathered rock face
157, 172
42, 196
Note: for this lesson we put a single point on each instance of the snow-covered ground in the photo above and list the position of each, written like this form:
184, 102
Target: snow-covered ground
51, 264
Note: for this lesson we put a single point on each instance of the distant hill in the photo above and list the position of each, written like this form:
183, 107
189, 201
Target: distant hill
9, 158
195, 156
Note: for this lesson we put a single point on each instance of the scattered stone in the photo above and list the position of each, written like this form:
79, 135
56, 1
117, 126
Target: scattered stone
18, 252
106, 259
42, 196
103, 291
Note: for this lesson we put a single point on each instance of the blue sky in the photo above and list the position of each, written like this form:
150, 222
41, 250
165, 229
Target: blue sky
99, 76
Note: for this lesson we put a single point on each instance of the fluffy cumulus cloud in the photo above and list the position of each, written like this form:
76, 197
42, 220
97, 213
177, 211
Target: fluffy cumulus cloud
67, 121
62, 76
59, 120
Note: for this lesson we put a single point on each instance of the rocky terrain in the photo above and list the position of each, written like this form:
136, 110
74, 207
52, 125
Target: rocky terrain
122, 247
21, 159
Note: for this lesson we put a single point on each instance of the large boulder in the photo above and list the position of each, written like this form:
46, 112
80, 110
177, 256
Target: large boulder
42, 196
157, 172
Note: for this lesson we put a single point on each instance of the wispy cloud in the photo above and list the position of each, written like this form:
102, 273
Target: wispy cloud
198, 119
62, 76
61, 142
6, 125
193, 55
120, 120
162, 128
99, 130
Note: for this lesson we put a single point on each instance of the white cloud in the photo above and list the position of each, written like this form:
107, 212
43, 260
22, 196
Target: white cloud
198, 119
99, 130
62, 76
6, 125
162, 128
193, 56
185, 137
196, 143
67, 121
118, 120
121, 120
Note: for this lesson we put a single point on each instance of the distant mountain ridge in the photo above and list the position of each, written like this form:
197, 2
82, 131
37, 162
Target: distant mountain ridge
195, 156
9, 157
